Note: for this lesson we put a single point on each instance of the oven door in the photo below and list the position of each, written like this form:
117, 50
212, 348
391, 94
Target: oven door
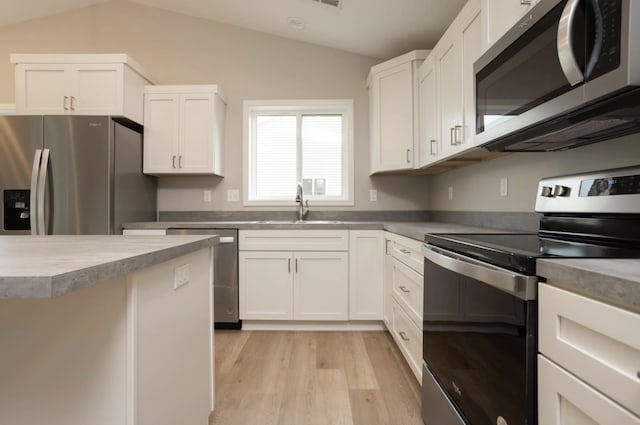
479, 340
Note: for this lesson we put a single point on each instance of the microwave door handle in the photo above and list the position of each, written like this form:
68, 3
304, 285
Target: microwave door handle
33, 198
567, 58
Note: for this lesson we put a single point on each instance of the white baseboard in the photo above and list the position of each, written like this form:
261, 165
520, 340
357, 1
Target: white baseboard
284, 325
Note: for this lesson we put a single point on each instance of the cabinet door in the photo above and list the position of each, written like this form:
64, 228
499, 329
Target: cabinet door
321, 285
366, 257
500, 16
266, 285
196, 133
471, 42
563, 399
97, 89
392, 119
387, 280
429, 140
161, 133
43, 89
455, 54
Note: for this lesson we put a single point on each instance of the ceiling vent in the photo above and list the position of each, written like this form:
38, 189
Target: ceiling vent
332, 3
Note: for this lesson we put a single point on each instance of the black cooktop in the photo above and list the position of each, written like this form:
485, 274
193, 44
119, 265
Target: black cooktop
519, 251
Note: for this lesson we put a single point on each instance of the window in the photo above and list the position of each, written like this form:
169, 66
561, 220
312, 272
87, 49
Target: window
298, 142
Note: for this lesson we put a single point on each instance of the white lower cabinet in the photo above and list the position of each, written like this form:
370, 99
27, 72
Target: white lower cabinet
293, 286
564, 399
589, 364
404, 298
266, 288
320, 285
366, 269
294, 275
408, 336
387, 281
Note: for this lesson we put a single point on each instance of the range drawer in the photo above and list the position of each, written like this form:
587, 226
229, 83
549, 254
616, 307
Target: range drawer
563, 399
408, 290
408, 251
597, 342
293, 240
409, 339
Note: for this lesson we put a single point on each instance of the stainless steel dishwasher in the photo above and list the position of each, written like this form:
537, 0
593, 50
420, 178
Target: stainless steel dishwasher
225, 275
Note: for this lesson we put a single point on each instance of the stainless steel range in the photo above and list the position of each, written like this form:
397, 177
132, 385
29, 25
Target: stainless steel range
480, 308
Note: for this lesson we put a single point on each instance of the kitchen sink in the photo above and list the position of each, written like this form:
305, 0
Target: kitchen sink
299, 222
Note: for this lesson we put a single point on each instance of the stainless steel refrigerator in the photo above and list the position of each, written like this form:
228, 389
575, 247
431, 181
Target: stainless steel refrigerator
72, 175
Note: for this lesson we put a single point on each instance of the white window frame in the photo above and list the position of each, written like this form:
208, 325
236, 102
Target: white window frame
343, 107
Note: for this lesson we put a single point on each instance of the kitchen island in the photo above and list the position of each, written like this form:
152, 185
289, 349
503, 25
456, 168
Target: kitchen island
106, 329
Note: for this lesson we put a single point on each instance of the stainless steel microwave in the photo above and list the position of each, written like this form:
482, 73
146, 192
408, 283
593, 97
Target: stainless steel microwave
567, 74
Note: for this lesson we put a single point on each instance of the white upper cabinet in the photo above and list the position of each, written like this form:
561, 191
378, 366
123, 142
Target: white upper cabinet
500, 16
184, 129
429, 119
454, 56
100, 84
394, 109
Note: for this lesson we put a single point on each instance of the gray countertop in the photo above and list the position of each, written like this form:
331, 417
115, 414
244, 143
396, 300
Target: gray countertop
614, 281
414, 230
51, 266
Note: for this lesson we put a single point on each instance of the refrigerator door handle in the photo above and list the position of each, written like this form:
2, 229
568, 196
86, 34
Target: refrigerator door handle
42, 186
33, 201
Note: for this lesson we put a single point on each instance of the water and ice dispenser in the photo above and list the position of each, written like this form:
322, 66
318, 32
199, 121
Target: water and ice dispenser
16, 210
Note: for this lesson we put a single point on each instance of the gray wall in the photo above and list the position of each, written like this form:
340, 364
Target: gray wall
178, 49
477, 187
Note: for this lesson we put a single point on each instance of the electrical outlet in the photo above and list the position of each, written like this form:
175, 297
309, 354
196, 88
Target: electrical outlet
233, 195
450, 193
503, 187
207, 196
181, 276
373, 195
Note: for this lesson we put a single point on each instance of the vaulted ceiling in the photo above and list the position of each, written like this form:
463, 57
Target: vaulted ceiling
377, 28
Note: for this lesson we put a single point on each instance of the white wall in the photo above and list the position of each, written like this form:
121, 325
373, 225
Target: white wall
178, 49
476, 188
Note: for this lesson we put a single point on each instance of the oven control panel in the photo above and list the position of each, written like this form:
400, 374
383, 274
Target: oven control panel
607, 191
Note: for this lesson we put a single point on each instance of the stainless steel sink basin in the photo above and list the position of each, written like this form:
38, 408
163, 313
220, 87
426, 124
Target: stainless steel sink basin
298, 222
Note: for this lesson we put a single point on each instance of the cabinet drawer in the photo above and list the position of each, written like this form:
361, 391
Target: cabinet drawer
293, 240
595, 341
565, 400
408, 290
409, 339
408, 251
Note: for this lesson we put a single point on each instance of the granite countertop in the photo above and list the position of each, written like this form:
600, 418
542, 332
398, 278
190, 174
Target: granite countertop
614, 281
51, 266
414, 230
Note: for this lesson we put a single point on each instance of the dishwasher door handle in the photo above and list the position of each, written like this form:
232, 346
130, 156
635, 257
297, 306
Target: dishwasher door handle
227, 239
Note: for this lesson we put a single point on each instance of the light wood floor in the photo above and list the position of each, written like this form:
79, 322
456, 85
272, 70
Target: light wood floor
313, 378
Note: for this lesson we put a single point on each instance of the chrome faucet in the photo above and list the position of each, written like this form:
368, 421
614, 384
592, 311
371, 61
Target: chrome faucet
304, 208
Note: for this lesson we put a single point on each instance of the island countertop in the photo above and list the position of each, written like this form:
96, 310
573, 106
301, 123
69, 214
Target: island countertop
51, 266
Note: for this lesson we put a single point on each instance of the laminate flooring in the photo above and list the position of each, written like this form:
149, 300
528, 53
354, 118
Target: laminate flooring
312, 378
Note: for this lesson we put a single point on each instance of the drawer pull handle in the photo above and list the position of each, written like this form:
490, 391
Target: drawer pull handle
638, 374
404, 289
405, 251
404, 336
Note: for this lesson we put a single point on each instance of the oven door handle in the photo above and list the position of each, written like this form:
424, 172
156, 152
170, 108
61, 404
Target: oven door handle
519, 285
